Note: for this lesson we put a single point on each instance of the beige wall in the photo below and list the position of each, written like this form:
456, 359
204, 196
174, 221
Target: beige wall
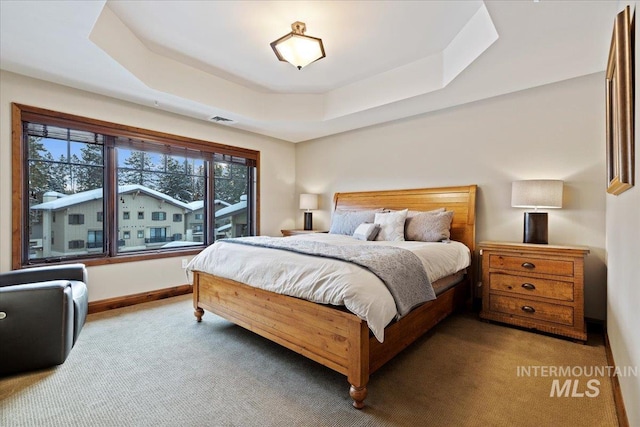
555, 131
277, 177
623, 274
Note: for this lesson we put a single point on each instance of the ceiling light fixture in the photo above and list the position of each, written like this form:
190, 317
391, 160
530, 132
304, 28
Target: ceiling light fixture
296, 48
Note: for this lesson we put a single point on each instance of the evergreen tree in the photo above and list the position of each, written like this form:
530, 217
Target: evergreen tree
38, 176
230, 181
137, 169
38, 169
91, 175
58, 171
75, 170
198, 183
175, 181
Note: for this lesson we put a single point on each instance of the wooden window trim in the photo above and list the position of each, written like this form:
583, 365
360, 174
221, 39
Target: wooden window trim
21, 112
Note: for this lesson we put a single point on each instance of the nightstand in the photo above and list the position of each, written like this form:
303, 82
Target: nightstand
534, 286
286, 233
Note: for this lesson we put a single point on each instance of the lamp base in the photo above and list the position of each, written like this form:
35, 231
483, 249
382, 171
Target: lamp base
308, 221
535, 228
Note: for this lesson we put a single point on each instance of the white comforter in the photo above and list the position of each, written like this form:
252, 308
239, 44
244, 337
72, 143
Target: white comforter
324, 280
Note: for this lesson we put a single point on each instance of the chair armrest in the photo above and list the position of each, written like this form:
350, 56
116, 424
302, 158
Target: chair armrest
36, 325
43, 274
52, 287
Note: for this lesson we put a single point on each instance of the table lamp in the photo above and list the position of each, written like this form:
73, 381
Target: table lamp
536, 193
308, 202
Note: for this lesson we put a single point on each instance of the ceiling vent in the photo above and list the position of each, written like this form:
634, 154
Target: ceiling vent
223, 120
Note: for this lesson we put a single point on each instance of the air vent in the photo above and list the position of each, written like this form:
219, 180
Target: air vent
223, 120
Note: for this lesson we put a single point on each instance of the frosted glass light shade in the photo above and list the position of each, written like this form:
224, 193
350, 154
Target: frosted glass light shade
537, 193
309, 201
296, 48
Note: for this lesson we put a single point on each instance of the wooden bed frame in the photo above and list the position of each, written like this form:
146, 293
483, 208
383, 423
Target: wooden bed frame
333, 336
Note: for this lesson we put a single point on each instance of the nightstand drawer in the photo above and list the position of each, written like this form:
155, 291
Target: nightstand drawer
520, 307
523, 285
531, 265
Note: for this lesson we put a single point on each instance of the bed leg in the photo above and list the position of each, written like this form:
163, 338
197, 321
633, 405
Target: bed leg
358, 394
198, 313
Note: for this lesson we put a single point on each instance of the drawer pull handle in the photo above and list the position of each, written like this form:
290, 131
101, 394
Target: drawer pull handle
528, 265
528, 309
529, 286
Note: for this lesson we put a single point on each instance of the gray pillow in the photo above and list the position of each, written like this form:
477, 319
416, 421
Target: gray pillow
366, 231
429, 226
346, 222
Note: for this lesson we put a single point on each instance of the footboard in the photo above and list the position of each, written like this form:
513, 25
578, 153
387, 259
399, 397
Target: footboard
334, 338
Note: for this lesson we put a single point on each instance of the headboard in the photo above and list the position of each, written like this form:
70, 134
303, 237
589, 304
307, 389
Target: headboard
461, 200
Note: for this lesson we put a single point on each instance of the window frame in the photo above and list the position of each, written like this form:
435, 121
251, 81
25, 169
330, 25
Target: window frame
78, 219
158, 216
20, 244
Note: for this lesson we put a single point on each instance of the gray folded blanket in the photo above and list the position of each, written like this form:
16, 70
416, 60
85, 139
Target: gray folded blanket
400, 270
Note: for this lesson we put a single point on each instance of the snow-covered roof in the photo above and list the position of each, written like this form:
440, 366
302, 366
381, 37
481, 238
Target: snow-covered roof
233, 209
87, 196
199, 204
224, 227
54, 194
181, 243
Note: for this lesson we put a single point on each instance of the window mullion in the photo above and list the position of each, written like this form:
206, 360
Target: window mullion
110, 198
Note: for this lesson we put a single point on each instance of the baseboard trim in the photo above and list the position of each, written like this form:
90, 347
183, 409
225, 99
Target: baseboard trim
623, 421
127, 300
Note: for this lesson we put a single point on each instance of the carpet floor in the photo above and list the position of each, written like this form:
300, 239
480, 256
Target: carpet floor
154, 365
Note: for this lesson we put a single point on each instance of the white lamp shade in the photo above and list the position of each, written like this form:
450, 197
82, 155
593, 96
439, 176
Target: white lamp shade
309, 201
537, 193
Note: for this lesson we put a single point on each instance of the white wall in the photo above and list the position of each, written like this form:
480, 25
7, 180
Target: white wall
623, 273
277, 161
554, 131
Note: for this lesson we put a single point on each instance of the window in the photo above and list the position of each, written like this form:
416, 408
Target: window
76, 219
94, 239
126, 235
90, 167
158, 216
157, 235
76, 244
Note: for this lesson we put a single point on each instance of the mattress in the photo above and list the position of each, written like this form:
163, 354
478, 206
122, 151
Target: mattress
328, 281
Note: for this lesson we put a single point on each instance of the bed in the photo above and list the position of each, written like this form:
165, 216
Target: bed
332, 335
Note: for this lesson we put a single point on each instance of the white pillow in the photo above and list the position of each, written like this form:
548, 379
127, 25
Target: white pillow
391, 225
366, 231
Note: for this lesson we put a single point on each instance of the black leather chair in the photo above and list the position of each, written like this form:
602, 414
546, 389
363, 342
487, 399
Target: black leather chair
42, 311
